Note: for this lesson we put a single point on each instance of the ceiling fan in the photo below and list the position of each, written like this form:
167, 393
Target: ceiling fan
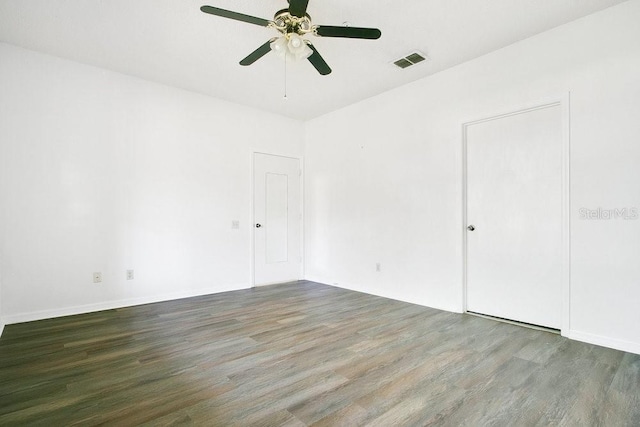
293, 24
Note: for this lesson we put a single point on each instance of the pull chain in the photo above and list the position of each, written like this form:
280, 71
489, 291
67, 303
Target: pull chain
285, 76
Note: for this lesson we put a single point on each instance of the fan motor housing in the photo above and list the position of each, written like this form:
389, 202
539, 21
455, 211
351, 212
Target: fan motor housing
287, 23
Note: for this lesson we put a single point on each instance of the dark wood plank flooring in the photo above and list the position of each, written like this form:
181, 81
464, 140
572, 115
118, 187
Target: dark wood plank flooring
306, 354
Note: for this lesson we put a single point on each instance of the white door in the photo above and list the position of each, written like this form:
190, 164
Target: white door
278, 219
514, 205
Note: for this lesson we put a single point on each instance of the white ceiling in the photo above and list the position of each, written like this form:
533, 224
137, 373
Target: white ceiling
172, 42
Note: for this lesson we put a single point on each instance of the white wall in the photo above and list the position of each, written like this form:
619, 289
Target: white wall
1, 317
383, 177
105, 172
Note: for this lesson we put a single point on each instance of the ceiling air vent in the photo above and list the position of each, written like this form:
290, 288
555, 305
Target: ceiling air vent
410, 60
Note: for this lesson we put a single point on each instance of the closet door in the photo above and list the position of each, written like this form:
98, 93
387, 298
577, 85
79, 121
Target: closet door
514, 213
278, 219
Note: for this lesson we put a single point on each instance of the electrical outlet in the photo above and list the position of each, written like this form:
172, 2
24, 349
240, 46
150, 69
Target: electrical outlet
129, 274
97, 277
235, 224
378, 267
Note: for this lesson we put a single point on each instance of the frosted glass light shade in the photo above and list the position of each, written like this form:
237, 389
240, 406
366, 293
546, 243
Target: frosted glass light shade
292, 46
279, 46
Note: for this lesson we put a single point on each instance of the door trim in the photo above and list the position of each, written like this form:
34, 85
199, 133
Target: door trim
252, 264
564, 103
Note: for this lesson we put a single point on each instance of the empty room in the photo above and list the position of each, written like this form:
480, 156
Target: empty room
327, 213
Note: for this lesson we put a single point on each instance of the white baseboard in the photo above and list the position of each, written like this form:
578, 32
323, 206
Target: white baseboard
388, 295
1, 328
110, 305
628, 346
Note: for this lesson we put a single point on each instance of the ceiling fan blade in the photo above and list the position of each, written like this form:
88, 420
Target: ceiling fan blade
235, 15
318, 62
348, 32
257, 54
298, 7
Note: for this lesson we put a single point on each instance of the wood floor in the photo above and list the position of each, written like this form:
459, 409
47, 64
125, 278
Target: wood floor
306, 354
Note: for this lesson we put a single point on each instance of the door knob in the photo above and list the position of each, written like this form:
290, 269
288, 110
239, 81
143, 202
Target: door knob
471, 228
258, 225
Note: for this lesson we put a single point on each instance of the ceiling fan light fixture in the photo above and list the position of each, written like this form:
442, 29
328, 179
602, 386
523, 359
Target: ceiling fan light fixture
291, 46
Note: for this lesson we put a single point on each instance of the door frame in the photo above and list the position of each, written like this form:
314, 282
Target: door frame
252, 264
564, 103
